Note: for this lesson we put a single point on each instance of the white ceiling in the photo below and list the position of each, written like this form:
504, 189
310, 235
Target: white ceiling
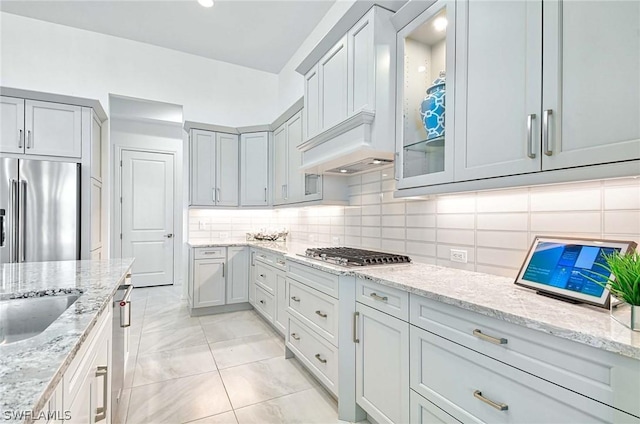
259, 34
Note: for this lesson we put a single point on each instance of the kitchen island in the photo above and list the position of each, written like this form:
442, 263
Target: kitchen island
30, 369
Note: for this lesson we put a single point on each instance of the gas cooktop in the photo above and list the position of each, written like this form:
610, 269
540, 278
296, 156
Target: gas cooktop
348, 256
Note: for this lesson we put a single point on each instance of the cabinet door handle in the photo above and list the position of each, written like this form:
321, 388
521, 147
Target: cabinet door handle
253, 258
262, 302
265, 195
101, 412
355, 327
123, 304
499, 406
495, 340
219, 194
286, 191
294, 336
396, 166
223, 269
213, 195
321, 314
280, 262
378, 297
545, 131
295, 299
319, 358
530, 152
20, 139
29, 142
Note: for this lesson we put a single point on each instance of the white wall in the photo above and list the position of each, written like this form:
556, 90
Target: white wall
494, 227
291, 83
41, 56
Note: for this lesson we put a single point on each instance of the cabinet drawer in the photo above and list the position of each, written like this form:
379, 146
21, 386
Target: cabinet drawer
266, 278
272, 259
425, 412
386, 299
473, 387
325, 282
265, 304
320, 357
604, 376
209, 252
315, 309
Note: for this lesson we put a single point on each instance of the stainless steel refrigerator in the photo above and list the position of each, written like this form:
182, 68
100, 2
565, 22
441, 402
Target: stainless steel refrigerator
39, 211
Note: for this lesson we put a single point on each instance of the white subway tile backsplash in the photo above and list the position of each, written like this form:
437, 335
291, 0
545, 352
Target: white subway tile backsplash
494, 227
456, 237
503, 221
575, 200
466, 221
573, 222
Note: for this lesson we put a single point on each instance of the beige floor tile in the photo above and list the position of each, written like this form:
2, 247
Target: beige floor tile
121, 414
277, 377
244, 350
181, 400
309, 406
169, 364
225, 418
171, 339
169, 321
242, 326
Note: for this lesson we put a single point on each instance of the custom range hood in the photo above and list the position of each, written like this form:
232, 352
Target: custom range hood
349, 95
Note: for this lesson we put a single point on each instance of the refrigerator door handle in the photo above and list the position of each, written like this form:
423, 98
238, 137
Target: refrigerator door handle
22, 222
13, 242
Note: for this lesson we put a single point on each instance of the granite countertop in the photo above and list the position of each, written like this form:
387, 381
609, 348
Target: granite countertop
489, 295
30, 369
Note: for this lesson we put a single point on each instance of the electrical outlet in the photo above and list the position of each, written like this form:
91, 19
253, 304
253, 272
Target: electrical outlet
458, 255
225, 235
202, 225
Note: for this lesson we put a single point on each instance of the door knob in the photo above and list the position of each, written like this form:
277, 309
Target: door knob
169, 235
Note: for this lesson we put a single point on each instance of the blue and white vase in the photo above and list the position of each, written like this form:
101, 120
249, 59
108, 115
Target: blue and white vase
432, 108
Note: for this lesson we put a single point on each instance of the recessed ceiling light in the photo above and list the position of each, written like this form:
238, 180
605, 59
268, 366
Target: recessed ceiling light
344, 171
440, 24
206, 3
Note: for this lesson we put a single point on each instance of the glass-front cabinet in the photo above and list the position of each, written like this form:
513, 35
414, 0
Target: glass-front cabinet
425, 69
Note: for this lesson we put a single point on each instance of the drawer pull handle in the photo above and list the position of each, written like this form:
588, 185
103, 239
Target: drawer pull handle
494, 340
209, 253
263, 276
263, 256
295, 336
377, 297
355, 327
262, 302
280, 262
323, 361
321, 314
295, 299
499, 406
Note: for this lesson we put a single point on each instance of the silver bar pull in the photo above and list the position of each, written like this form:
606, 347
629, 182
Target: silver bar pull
355, 327
499, 406
265, 195
22, 222
29, 139
3, 227
319, 358
223, 269
219, 195
295, 299
282, 191
295, 336
253, 258
321, 314
530, 152
20, 139
286, 191
378, 297
495, 340
13, 239
396, 167
545, 132
123, 304
213, 195
101, 412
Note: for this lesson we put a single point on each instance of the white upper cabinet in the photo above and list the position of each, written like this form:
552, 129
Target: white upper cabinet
497, 94
214, 168
280, 167
11, 125
227, 169
53, 129
332, 71
425, 90
591, 74
203, 170
312, 102
254, 169
360, 78
40, 128
295, 186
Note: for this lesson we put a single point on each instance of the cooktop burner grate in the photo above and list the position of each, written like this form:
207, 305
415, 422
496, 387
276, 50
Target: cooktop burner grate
348, 256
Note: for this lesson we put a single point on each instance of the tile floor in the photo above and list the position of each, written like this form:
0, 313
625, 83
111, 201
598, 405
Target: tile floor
226, 368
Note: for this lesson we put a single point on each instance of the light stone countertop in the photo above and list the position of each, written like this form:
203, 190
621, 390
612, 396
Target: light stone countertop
490, 295
31, 369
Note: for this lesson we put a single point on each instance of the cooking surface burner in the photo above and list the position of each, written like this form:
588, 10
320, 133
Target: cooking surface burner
348, 256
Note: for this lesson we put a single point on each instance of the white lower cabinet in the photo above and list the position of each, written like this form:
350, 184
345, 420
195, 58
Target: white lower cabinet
269, 277
238, 276
208, 282
382, 365
425, 412
280, 318
87, 382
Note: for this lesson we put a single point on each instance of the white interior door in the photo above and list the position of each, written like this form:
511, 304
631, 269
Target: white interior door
147, 216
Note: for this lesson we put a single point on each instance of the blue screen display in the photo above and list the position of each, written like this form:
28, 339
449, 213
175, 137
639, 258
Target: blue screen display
565, 265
